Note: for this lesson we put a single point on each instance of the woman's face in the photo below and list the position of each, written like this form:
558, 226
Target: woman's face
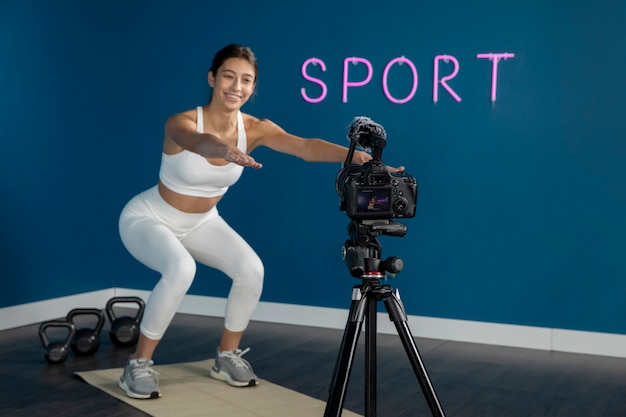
234, 83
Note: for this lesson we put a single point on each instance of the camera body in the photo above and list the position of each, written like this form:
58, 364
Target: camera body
370, 192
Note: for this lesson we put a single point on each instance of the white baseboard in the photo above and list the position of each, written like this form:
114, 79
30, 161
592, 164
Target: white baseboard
24, 314
572, 341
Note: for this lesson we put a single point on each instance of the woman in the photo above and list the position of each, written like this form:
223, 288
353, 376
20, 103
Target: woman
175, 224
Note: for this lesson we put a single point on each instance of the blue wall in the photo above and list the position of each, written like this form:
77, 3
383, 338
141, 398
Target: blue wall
521, 208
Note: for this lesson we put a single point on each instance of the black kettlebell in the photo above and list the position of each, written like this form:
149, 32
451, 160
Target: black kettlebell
86, 341
124, 330
56, 352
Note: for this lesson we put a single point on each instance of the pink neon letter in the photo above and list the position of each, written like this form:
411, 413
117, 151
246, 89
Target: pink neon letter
446, 78
400, 60
314, 61
495, 58
347, 83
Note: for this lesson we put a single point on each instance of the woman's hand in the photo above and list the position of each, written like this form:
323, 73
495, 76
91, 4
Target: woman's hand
392, 169
361, 157
234, 155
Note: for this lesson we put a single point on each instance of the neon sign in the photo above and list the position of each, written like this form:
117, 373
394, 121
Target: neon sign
439, 82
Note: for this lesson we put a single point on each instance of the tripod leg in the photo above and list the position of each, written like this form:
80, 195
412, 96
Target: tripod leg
398, 316
345, 359
370, 358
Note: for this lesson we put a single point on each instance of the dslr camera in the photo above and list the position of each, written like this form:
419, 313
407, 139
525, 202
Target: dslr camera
370, 191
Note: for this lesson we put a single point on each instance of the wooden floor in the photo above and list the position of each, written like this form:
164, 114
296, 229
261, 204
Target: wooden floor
470, 380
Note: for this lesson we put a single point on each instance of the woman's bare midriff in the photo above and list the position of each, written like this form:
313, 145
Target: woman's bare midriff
187, 203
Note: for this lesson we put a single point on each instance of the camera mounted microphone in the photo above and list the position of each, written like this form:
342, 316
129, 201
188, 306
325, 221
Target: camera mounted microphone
368, 135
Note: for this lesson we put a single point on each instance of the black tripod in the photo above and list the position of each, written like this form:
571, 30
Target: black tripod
362, 255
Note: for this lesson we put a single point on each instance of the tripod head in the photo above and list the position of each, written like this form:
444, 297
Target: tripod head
363, 250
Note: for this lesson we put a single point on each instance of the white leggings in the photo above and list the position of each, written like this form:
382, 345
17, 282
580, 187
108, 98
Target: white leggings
169, 241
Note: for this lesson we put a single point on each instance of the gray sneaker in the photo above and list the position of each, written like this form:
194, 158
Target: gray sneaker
139, 380
230, 367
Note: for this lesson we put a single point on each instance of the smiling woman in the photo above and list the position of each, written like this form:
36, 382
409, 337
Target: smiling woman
176, 223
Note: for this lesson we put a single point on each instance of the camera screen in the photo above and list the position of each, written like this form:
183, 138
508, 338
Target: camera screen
374, 200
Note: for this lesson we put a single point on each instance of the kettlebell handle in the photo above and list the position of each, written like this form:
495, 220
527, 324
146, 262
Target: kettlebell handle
117, 300
84, 311
56, 323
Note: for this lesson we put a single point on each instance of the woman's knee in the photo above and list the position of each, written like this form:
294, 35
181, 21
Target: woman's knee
179, 274
251, 274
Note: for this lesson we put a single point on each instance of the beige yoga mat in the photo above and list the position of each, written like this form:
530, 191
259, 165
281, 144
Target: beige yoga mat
188, 391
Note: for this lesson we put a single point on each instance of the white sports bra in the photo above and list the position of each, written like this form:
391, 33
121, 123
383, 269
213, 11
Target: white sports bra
191, 174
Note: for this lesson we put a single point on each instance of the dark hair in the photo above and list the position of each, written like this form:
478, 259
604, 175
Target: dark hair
234, 51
